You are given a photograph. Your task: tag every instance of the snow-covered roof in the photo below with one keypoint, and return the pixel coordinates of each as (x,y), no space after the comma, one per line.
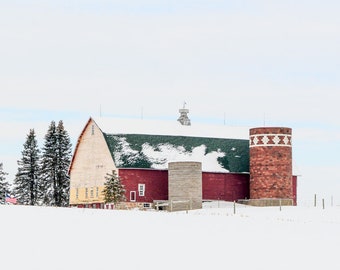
(138,143)
(152,151)
(155,151)
(172,128)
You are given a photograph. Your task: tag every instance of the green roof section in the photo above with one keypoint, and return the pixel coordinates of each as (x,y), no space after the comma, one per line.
(155,151)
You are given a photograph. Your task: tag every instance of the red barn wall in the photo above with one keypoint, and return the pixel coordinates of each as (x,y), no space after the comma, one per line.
(215,186)
(156,183)
(225,186)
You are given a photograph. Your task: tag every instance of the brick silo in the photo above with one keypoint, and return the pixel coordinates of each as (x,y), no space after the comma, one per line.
(271,164)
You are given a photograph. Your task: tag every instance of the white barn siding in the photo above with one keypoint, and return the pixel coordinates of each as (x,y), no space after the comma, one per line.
(91,162)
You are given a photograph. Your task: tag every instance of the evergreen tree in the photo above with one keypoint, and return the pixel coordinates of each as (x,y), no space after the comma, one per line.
(56,159)
(64,153)
(113,189)
(4,185)
(48,164)
(26,182)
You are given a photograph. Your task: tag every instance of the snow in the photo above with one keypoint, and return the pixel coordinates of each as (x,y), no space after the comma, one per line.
(302,237)
(161,127)
(166,153)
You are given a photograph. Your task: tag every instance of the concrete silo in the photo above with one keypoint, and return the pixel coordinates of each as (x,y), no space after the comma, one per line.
(185,185)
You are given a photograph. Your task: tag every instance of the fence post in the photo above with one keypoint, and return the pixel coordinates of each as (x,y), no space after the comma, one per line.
(323,203)
(314,200)
(280,204)
(234,208)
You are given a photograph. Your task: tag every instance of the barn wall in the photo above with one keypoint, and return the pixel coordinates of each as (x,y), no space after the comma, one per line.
(156,183)
(225,186)
(91,163)
(215,186)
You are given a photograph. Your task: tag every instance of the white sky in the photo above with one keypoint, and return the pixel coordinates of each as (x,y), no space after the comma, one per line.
(248,63)
(211,238)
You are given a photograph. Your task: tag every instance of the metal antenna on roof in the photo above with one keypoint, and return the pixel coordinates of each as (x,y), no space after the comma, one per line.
(183,118)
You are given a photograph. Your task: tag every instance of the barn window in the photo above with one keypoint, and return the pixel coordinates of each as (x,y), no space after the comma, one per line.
(91,192)
(77,193)
(92,131)
(132,196)
(97,192)
(147,205)
(86,193)
(141,189)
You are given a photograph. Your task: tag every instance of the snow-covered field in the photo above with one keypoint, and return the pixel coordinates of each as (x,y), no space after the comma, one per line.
(35,238)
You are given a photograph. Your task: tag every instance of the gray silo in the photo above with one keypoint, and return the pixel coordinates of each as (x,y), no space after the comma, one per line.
(185,185)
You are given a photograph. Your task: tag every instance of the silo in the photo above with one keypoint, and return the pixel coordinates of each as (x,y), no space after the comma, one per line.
(271,165)
(185,185)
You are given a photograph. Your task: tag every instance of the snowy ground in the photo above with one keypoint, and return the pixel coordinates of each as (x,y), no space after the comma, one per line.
(35,238)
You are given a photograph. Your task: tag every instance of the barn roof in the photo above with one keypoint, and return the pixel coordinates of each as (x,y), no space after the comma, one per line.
(152,144)
(173,127)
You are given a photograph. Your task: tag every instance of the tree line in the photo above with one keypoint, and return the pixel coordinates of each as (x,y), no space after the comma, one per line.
(42,175)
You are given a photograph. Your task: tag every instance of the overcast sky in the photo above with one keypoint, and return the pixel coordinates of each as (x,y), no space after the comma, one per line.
(250,63)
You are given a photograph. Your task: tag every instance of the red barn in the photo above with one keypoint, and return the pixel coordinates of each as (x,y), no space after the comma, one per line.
(140,151)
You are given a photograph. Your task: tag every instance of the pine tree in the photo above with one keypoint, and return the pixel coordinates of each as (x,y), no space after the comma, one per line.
(113,189)
(56,159)
(4,185)
(64,154)
(48,164)
(27,179)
